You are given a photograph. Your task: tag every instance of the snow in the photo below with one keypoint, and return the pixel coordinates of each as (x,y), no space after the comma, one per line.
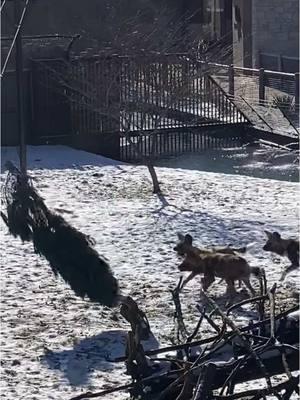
(55,345)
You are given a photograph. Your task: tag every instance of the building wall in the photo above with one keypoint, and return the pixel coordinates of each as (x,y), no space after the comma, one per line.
(275,29)
(242,32)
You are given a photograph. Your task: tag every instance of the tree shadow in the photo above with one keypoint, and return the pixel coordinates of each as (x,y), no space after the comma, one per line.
(89,354)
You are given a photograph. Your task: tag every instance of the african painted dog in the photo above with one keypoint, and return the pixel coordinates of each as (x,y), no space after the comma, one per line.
(185,245)
(283,247)
(186,242)
(229,267)
(218,262)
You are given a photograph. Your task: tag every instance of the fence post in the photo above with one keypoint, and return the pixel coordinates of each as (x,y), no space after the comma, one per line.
(231,79)
(258,62)
(20,85)
(261,89)
(297,81)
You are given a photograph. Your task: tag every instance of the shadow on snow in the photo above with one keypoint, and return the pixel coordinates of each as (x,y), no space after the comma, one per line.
(89,354)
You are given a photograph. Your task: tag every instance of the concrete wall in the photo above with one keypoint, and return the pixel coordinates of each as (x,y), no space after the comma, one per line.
(275,28)
(267,27)
(241,32)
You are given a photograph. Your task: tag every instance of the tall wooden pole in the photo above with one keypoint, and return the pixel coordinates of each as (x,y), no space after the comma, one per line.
(20,92)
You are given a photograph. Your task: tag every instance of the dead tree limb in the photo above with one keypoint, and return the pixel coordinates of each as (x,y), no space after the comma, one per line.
(211,339)
(289,385)
(136,317)
(178,317)
(271,295)
(244,340)
(204,385)
(187,388)
(196,330)
(209,319)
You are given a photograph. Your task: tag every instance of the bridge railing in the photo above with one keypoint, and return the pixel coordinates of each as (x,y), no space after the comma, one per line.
(129,94)
(257,85)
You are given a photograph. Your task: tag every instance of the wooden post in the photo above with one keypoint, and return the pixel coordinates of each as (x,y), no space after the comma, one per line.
(231,80)
(261,89)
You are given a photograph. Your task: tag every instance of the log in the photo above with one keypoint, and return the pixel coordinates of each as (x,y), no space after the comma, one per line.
(287,332)
(249,371)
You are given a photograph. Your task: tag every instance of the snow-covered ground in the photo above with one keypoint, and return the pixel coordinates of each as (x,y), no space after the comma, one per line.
(260,162)
(55,345)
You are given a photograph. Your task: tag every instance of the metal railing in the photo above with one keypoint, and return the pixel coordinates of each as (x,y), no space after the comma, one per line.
(133,94)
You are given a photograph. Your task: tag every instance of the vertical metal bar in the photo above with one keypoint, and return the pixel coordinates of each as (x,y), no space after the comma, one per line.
(208,97)
(200,93)
(20,83)
(261,86)
(231,79)
(297,81)
(219,110)
(215,103)
(193,94)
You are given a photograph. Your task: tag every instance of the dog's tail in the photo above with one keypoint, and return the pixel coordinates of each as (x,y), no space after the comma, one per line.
(257,271)
(243,249)
(240,249)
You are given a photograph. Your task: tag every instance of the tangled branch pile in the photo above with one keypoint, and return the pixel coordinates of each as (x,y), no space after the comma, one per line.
(210,368)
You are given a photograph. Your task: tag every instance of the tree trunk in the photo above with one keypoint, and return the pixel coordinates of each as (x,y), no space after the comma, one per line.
(151,169)
(148,162)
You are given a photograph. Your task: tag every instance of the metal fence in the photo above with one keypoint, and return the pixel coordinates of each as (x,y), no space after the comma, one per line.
(173,142)
(257,85)
(9,107)
(166,97)
(278,62)
(117,94)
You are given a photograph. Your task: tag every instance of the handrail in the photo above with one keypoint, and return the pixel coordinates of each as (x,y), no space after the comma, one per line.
(246,69)
(289,120)
(255,112)
(266,71)
(186,55)
(38,37)
(227,97)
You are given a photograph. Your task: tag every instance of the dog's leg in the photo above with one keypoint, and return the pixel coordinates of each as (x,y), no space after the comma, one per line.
(249,286)
(230,291)
(240,282)
(283,275)
(189,278)
(287,270)
(230,287)
(206,281)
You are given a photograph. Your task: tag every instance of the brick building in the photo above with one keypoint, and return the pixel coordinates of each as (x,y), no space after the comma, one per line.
(266,34)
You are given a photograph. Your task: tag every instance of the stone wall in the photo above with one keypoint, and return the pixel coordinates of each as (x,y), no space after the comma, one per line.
(275,29)
(241,33)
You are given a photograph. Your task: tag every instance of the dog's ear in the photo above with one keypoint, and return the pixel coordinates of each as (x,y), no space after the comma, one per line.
(276,235)
(269,234)
(188,239)
(180,236)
